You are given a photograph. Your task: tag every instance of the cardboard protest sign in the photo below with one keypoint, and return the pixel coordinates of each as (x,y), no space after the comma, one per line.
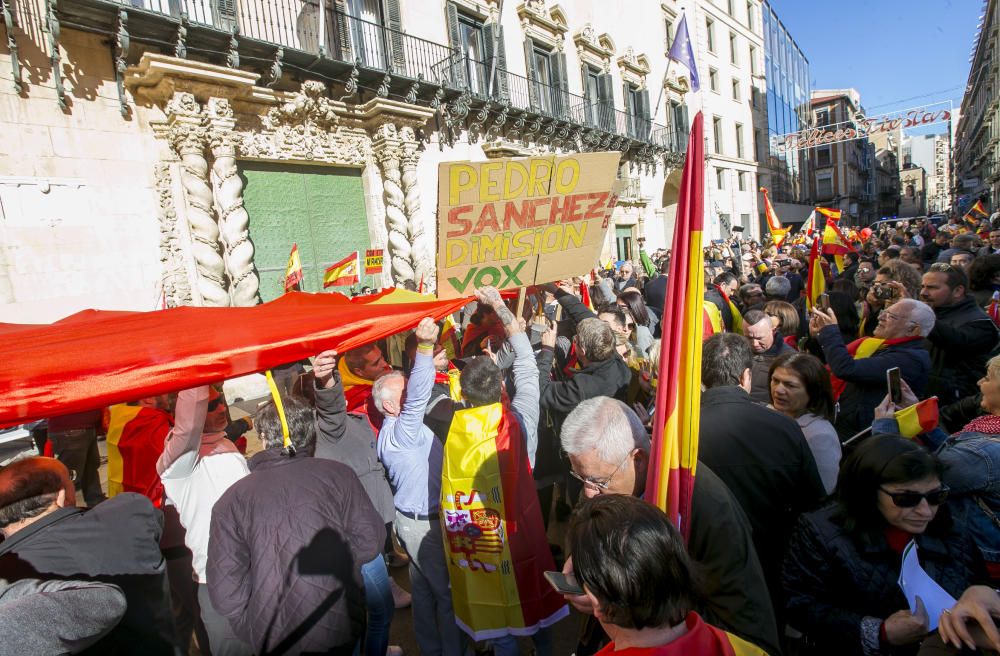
(520,221)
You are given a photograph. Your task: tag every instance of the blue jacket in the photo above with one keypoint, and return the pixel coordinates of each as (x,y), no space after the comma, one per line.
(865,378)
(972,471)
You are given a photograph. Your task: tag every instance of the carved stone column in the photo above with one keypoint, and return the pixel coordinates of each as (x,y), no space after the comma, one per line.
(234,222)
(188,137)
(176,288)
(420,257)
(389,154)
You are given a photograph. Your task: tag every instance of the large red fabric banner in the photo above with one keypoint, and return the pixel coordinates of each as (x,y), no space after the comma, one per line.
(96,358)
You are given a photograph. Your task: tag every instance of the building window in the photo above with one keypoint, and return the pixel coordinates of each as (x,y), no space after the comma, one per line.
(717,134)
(720,178)
(729,8)
(824,186)
(743,181)
(739,140)
(822,117)
(733,58)
(736,90)
(713,80)
(755,97)
(824,156)
(745,221)
(635,109)
(668,23)
(750,16)
(753,60)
(710,29)
(471,34)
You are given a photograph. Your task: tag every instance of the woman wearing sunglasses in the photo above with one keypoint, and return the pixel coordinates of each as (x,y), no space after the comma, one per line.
(843,562)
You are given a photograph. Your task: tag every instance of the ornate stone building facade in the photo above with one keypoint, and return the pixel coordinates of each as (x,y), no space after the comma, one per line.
(169,152)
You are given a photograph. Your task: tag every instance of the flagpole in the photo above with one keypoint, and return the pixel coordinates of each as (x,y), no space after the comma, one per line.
(659,97)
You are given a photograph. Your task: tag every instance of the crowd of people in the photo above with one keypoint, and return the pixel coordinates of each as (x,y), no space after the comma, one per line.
(807,495)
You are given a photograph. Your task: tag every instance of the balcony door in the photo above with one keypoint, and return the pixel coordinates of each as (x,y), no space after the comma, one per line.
(366,33)
(473,47)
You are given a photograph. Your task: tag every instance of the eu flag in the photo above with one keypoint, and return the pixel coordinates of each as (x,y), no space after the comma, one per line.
(682,52)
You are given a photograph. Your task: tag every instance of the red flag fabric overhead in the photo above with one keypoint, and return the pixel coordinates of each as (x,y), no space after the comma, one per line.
(674,457)
(94,358)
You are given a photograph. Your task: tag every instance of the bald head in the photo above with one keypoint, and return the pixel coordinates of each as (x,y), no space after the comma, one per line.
(30,488)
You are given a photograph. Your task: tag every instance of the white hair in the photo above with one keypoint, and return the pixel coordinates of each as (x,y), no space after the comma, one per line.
(380,393)
(919,313)
(606,425)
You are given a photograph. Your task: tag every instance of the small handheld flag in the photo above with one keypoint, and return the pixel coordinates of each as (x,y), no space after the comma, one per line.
(778,233)
(682,52)
(344,272)
(834,242)
(829,213)
(816,284)
(293,272)
(918,418)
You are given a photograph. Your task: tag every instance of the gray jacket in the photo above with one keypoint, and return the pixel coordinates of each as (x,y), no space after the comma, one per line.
(350,440)
(56,617)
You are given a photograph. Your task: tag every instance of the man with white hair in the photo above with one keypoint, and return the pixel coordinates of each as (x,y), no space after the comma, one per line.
(608,450)
(859,367)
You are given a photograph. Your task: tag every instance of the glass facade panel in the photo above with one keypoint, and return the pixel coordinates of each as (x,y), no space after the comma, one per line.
(786,72)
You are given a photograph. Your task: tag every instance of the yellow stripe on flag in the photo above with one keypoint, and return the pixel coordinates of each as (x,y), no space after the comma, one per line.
(918,418)
(120,415)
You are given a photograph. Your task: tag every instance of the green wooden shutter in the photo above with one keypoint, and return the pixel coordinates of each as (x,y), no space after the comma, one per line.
(456,71)
(225,14)
(341,47)
(394,25)
(529,57)
(606,102)
(560,83)
(588,102)
(643,111)
(493,34)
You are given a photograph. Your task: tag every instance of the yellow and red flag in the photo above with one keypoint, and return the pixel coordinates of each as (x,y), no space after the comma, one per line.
(778,233)
(816,283)
(918,418)
(674,456)
(835,244)
(495,544)
(135,441)
(979,209)
(344,272)
(829,213)
(293,272)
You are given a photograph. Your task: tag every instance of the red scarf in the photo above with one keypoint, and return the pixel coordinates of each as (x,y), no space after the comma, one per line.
(852,348)
(987,424)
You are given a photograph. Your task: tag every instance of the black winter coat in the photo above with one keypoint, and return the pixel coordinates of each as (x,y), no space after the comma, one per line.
(764,459)
(115,542)
(285,553)
(960,344)
(865,378)
(833,581)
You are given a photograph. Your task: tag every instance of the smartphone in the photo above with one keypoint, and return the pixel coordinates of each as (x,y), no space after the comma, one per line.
(895,382)
(563,583)
(824,302)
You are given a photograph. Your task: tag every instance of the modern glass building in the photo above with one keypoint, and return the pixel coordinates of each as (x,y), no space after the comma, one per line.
(786,75)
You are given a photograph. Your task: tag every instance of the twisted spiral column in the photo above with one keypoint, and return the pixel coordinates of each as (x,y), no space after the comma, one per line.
(399,238)
(189,140)
(419,256)
(234,222)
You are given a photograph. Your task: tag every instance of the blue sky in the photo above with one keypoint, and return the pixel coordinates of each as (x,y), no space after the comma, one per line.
(889,50)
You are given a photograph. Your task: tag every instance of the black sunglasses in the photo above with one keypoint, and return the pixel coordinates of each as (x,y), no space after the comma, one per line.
(913,499)
(216,402)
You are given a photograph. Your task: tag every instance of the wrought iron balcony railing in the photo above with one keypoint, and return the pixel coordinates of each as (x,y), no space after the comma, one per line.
(312,37)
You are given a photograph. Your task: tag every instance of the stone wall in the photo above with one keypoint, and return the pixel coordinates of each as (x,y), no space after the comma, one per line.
(78,206)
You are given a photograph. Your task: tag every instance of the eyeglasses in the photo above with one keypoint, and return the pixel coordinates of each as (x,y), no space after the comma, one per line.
(601,486)
(216,402)
(913,499)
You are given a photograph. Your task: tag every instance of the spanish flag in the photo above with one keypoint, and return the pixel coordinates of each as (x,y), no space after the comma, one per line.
(344,272)
(293,272)
(835,244)
(816,284)
(979,209)
(135,441)
(778,233)
(829,213)
(918,418)
(495,544)
(674,456)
